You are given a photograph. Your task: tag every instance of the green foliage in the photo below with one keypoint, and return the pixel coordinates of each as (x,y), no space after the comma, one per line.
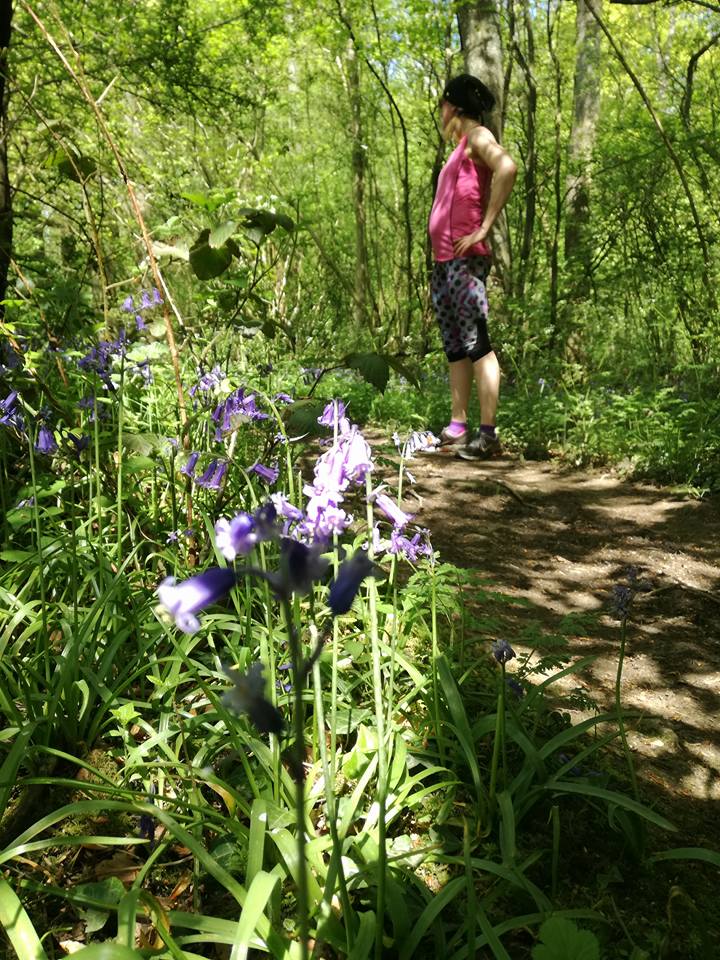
(560,939)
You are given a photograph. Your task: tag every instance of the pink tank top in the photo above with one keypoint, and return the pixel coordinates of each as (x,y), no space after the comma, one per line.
(459,205)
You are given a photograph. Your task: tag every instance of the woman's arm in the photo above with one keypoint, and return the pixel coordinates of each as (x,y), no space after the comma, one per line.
(485,149)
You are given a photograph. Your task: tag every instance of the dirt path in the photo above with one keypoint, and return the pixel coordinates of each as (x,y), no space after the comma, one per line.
(561,540)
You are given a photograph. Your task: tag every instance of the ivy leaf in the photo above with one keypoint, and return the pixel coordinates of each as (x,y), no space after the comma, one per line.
(561,940)
(208,262)
(371,366)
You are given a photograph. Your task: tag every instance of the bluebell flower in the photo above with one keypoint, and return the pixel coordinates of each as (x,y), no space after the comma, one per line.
(80,444)
(334,413)
(11,413)
(213,476)
(516,687)
(300,566)
(620,601)
(266,521)
(392,511)
(139,322)
(236,537)
(248,696)
(344,588)
(502,651)
(419,546)
(184,600)
(145,371)
(128,305)
(207,381)
(189,468)
(234,411)
(283,398)
(268,474)
(46,443)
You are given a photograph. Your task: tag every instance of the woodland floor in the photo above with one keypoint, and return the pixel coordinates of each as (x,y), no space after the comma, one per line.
(561,539)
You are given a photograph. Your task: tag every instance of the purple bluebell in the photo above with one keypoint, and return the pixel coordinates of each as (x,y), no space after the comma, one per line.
(358,456)
(248,696)
(268,474)
(23,504)
(156,298)
(213,476)
(283,398)
(235,410)
(145,372)
(344,588)
(334,413)
(207,381)
(620,601)
(189,468)
(128,305)
(80,444)
(515,687)
(139,322)
(502,651)
(183,601)
(146,302)
(392,511)
(301,565)
(11,413)
(324,516)
(46,443)
(284,508)
(401,545)
(266,521)
(236,537)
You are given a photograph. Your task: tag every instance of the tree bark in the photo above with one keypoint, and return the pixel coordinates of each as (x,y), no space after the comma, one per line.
(481,38)
(586,110)
(526,61)
(6,218)
(359,169)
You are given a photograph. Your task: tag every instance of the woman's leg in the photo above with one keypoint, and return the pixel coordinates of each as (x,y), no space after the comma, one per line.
(487,380)
(461,377)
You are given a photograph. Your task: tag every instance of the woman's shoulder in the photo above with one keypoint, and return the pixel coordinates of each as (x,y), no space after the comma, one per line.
(479,138)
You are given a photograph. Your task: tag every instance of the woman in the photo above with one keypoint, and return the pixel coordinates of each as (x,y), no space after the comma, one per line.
(472,189)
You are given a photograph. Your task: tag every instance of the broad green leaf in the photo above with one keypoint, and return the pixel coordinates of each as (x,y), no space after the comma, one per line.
(258,221)
(301,418)
(221,233)
(561,940)
(109,891)
(208,262)
(371,366)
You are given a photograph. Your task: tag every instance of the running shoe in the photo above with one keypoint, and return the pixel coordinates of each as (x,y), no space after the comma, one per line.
(483,447)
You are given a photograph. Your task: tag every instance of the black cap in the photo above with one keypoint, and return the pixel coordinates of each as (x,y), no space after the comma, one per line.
(469,95)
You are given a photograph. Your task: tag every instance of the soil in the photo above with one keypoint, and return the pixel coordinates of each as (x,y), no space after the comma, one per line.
(559,540)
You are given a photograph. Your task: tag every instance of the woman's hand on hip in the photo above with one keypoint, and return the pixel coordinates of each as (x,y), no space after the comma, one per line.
(463,244)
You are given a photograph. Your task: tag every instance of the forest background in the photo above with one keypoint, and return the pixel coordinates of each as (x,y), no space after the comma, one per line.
(604,297)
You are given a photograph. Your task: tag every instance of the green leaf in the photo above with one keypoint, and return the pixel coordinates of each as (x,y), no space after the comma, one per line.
(689,853)
(109,891)
(561,940)
(258,894)
(17,925)
(371,366)
(220,234)
(285,222)
(209,262)
(302,417)
(258,221)
(611,796)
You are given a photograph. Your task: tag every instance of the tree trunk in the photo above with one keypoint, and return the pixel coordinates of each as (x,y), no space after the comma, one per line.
(527,65)
(481,38)
(6,220)
(586,109)
(359,170)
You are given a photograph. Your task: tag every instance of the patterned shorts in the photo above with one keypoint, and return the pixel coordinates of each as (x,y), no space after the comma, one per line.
(460,301)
